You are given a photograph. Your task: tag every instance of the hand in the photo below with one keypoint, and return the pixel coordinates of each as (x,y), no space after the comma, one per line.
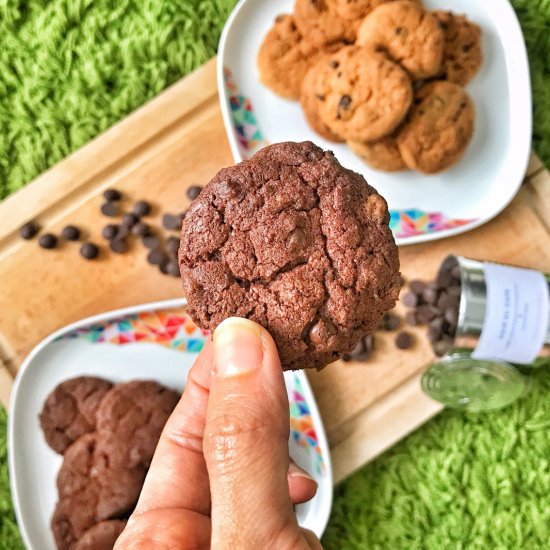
(220,477)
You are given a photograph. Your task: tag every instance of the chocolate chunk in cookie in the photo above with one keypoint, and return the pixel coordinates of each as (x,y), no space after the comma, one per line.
(285,57)
(101,536)
(294,241)
(134,414)
(310,102)
(362,95)
(438,129)
(70,410)
(319,23)
(462,55)
(407,34)
(380,155)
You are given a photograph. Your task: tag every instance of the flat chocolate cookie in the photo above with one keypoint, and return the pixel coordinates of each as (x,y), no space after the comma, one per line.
(294,241)
(69,411)
(101,536)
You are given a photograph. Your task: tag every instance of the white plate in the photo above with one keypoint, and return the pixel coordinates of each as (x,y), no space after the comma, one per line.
(423,208)
(153,341)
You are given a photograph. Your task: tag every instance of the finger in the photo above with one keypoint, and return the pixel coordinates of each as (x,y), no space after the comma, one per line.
(301,486)
(246,437)
(178,477)
(312,539)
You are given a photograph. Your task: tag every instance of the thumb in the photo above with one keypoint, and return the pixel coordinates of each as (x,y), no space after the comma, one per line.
(246,439)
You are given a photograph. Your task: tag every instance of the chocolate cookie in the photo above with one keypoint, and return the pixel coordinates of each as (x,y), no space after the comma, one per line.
(284,58)
(88,468)
(310,105)
(73,516)
(406,33)
(294,241)
(101,536)
(319,23)
(134,414)
(362,95)
(380,155)
(438,129)
(462,55)
(69,411)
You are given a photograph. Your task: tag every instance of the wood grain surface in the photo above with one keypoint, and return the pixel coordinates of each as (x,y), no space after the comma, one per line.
(175,141)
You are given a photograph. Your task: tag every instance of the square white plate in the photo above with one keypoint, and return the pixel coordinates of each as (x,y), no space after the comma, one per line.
(422,207)
(155,341)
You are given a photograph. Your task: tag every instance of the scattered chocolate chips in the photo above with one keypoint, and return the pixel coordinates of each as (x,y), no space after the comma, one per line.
(141,229)
(71,233)
(391,322)
(417,286)
(172,246)
(119,246)
(142,208)
(48,241)
(404,340)
(110,231)
(156,257)
(194,191)
(151,241)
(28,231)
(410,299)
(89,251)
(109,209)
(363,350)
(112,195)
(173,268)
(172,222)
(129,219)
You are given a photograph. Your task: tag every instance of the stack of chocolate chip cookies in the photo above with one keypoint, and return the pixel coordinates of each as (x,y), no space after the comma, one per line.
(387,77)
(107,435)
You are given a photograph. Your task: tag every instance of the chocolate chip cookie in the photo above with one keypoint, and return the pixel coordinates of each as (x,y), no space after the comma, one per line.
(134,414)
(438,129)
(70,410)
(101,536)
(284,58)
(356,10)
(294,241)
(406,33)
(310,102)
(362,95)
(380,155)
(462,55)
(320,25)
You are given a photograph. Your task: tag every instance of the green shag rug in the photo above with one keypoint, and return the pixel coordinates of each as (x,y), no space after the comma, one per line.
(71,68)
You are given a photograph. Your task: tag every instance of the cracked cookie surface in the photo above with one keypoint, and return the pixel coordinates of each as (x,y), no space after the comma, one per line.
(295,242)
(406,33)
(70,410)
(438,128)
(462,56)
(362,95)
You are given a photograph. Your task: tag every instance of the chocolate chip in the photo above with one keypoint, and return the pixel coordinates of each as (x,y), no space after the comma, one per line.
(451,316)
(466,48)
(417,286)
(402,280)
(129,219)
(401,31)
(71,233)
(363,350)
(456,272)
(435,330)
(163,265)
(430,294)
(119,246)
(172,245)
(454,291)
(169,221)
(425,314)
(89,251)
(142,208)
(410,318)
(28,231)
(151,241)
(441,347)
(194,191)
(320,97)
(404,340)
(173,268)
(334,64)
(156,257)
(109,209)
(141,229)
(410,299)
(391,322)
(345,102)
(112,195)
(445,300)
(48,241)
(110,231)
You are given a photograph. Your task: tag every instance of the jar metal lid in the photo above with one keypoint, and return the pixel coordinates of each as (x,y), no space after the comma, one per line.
(460,382)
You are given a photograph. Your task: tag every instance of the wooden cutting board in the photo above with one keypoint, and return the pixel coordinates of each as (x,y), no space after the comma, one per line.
(174,141)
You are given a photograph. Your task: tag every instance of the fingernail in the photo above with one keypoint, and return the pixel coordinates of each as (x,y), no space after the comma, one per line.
(295,471)
(237,347)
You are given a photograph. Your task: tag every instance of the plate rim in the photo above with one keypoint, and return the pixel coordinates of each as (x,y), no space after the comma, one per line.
(325,504)
(517,62)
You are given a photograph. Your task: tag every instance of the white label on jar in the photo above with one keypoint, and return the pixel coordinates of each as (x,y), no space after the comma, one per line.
(516,316)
